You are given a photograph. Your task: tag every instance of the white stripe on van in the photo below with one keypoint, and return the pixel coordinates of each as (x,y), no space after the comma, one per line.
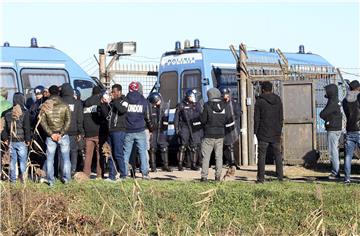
(8,64)
(42,65)
(224,65)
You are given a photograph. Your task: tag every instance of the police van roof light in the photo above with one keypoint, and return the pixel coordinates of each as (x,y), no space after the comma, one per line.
(186,44)
(33,43)
(301,49)
(196,43)
(177,45)
(6,44)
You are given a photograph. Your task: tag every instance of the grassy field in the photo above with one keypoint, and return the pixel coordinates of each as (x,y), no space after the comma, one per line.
(180,208)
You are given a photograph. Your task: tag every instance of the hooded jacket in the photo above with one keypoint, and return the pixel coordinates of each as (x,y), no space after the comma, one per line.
(21,130)
(214,118)
(268,118)
(115,113)
(331,114)
(58,119)
(138,115)
(92,118)
(351,108)
(76,109)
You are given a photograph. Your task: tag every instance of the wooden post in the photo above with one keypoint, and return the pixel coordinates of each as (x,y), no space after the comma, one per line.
(102,67)
(244,128)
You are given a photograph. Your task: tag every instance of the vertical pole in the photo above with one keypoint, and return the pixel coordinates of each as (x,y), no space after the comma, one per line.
(102,67)
(244,129)
(250,109)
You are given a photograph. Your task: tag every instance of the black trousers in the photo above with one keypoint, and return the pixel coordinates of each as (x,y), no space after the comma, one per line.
(262,149)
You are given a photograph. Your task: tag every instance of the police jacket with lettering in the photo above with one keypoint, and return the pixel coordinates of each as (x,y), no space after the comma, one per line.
(187,116)
(159,118)
(215,116)
(76,110)
(138,113)
(115,114)
(21,130)
(92,118)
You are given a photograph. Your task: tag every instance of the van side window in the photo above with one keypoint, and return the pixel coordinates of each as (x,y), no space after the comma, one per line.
(169,87)
(226,78)
(8,81)
(191,79)
(45,77)
(85,88)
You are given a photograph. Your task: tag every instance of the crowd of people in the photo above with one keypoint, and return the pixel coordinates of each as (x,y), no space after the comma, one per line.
(66,134)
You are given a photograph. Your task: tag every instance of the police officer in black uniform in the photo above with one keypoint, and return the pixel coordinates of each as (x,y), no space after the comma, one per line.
(189,129)
(232,129)
(160,119)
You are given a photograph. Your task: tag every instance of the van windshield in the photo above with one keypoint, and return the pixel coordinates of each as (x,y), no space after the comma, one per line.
(169,87)
(45,77)
(85,87)
(8,81)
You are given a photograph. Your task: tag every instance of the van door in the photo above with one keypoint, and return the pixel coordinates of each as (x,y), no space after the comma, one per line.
(8,80)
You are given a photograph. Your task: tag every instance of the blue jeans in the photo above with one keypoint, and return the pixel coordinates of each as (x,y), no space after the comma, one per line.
(140,140)
(64,143)
(18,151)
(352,140)
(117,163)
(333,150)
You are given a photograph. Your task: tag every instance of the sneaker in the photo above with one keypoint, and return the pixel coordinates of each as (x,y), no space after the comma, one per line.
(43,180)
(346,182)
(51,184)
(146,177)
(110,180)
(259,181)
(334,177)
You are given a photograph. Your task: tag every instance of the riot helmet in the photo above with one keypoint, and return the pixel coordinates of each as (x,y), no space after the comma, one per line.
(39,89)
(154,98)
(225,93)
(190,95)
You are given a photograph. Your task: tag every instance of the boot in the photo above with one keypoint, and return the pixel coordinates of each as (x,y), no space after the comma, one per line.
(153,160)
(194,160)
(180,160)
(165,159)
(232,161)
(188,160)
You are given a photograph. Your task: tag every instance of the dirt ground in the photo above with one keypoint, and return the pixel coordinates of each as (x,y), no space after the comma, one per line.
(248,174)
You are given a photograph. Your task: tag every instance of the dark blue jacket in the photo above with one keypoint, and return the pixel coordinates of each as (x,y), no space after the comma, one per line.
(138,113)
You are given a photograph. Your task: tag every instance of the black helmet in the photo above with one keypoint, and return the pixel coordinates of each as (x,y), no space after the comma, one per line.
(225,91)
(189,93)
(154,97)
(39,89)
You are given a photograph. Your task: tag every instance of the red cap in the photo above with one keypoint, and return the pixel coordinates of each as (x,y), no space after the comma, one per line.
(133,86)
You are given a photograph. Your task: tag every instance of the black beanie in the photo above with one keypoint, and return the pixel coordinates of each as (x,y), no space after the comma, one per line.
(54,90)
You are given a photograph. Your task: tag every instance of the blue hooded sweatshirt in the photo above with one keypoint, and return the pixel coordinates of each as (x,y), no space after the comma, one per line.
(138,113)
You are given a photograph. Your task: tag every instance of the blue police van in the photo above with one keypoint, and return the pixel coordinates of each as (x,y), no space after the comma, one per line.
(24,68)
(200,68)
